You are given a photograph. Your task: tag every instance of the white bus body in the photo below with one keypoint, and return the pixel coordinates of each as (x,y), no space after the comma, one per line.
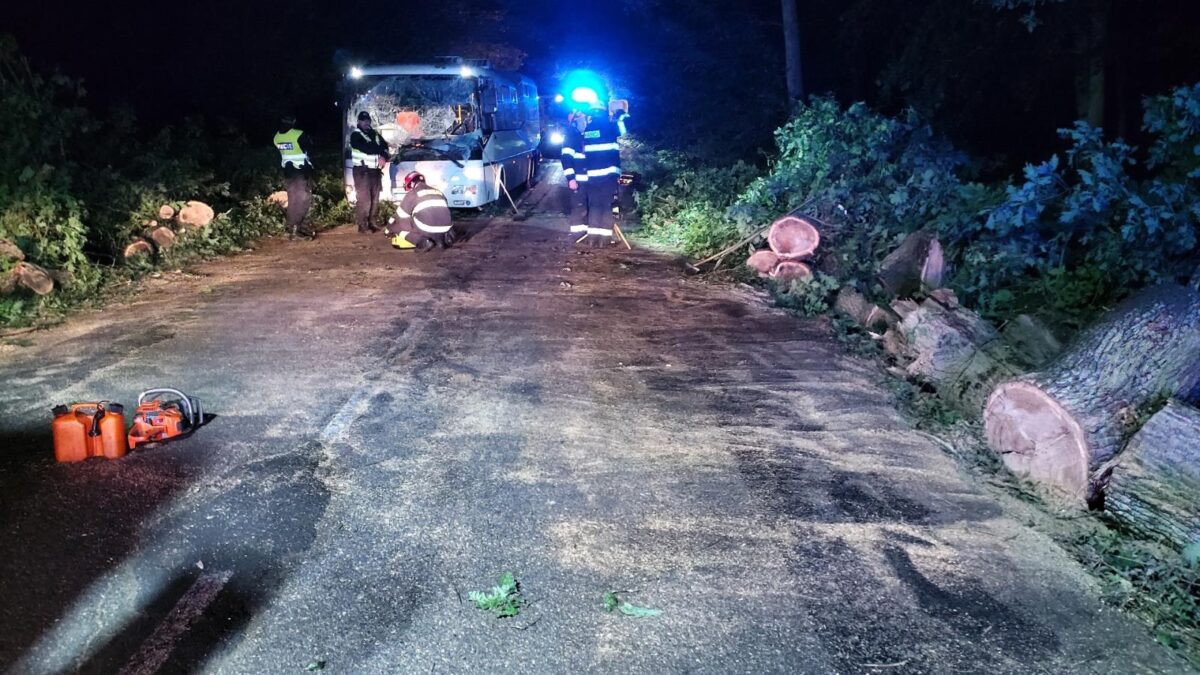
(461,124)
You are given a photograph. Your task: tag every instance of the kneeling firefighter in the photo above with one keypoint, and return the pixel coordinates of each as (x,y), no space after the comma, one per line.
(422,218)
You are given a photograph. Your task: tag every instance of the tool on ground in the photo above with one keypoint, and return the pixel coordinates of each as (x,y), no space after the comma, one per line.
(163,414)
(83,430)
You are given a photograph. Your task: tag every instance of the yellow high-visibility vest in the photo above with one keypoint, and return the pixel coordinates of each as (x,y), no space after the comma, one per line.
(288,143)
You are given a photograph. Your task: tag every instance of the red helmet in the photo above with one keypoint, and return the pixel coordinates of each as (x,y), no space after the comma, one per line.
(411,178)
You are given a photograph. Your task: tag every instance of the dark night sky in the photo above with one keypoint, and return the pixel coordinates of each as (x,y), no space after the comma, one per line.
(986,82)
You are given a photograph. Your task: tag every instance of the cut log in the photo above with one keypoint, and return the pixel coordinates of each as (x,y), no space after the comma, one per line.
(763,262)
(166,212)
(788,271)
(10,251)
(1032,341)
(1153,486)
(196,215)
(136,248)
(862,311)
(163,238)
(33,277)
(903,308)
(918,263)
(958,352)
(1058,426)
(793,238)
(279,198)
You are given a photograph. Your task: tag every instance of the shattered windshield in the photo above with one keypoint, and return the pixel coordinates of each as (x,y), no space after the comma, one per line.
(423,117)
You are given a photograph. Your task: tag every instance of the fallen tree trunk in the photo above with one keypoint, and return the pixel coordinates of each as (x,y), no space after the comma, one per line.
(862,311)
(10,251)
(163,237)
(793,238)
(788,271)
(763,262)
(195,215)
(956,351)
(1153,487)
(918,262)
(1060,425)
(138,247)
(33,277)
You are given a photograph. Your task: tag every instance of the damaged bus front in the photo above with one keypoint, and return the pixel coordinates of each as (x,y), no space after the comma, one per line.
(467,128)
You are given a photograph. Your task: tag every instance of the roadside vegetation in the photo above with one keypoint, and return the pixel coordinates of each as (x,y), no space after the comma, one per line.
(1063,241)
(1066,239)
(77,187)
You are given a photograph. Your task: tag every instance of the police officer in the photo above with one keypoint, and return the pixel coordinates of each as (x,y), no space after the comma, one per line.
(295,157)
(423,217)
(368,155)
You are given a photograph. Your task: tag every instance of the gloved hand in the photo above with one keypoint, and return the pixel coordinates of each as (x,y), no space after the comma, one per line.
(573,184)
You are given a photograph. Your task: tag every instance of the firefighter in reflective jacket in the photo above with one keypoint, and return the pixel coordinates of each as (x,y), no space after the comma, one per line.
(592,166)
(294,156)
(422,218)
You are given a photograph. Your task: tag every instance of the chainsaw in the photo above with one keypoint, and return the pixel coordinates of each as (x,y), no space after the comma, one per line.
(163,414)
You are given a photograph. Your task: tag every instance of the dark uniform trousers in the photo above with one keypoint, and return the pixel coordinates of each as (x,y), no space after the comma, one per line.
(598,194)
(298,183)
(368,185)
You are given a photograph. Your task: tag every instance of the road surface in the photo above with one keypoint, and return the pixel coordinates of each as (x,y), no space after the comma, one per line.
(395,430)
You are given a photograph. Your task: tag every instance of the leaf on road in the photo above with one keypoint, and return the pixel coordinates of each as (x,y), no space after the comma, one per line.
(504,600)
(638,612)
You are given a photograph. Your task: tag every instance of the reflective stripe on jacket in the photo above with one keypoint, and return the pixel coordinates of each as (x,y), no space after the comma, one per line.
(367,149)
(290,151)
(593,154)
(427,208)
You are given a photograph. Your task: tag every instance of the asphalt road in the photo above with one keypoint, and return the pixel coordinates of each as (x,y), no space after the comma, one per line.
(395,430)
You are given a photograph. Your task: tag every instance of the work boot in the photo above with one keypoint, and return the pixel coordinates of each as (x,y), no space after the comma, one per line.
(426,245)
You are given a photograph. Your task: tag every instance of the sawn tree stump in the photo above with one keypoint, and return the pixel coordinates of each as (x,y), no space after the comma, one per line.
(1060,425)
(918,262)
(1153,487)
(793,238)
(33,277)
(763,262)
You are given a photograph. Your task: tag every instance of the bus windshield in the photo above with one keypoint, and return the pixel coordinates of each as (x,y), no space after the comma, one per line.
(422,114)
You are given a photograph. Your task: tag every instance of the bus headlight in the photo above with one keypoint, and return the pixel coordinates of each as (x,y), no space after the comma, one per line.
(557,138)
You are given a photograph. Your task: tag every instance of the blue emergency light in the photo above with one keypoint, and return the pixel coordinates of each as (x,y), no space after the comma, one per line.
(585,95)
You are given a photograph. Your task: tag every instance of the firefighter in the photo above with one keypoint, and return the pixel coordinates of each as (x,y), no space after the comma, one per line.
(572,156)
(368,154)
(294,154)
(595,171)
(422,218)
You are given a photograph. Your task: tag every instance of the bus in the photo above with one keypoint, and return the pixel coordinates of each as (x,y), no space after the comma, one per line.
(472,131)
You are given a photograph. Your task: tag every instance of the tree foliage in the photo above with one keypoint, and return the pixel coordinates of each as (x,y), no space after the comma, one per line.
(1071,236)
(75,188)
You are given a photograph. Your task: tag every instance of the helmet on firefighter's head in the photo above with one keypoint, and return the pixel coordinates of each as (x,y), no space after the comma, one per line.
(412,179)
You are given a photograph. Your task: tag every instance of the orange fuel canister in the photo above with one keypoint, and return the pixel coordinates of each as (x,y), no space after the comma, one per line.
(83,430)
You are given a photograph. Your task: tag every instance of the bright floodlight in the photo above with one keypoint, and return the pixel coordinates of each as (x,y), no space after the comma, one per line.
(558,98)
(356,73)
(585,95)
(557,138)
(468,71)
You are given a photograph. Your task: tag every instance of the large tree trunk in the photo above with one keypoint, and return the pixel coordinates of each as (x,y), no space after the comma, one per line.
(791,44)
(957,351)
(918,262)
(1060,425)
(1092,47)
(1153,487)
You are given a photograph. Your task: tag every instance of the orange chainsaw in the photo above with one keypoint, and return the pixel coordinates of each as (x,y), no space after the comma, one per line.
(163,414)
